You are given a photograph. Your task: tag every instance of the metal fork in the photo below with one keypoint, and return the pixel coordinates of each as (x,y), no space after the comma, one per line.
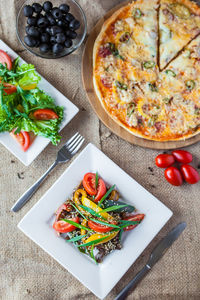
(64,154)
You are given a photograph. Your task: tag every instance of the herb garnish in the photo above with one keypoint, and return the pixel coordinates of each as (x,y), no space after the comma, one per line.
(106,195)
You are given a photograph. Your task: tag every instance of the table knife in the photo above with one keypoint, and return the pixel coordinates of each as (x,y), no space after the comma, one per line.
(156,254)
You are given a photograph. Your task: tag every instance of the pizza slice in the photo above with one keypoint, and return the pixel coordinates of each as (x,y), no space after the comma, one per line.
(179,23)
(179,88)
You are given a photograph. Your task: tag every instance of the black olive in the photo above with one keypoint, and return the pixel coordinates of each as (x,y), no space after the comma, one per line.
(28,11)
(64,8)
(32,21)
(71,34)
(39,16)
(56,12)
(41,29)
(30,41)
(52,40)
(57,48)
(47,29)
(47,6)
(45,37)
(68,43)
(37,7)
(44,48)
(37,43)
(33,31)
(42,22)
(54,30)
(27,29)
(74,24)
(50,18)
(69,17)
(60,38)
(61,23)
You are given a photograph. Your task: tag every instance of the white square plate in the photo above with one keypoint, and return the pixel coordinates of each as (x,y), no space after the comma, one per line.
(70,110)
(37,224)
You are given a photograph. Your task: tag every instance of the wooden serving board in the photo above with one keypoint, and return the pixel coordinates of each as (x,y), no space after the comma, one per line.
(87,78)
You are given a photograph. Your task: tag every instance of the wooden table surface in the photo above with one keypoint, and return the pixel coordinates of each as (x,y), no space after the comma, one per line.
(27,272)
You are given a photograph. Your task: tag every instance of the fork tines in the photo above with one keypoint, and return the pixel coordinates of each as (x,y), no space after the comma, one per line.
(74,143)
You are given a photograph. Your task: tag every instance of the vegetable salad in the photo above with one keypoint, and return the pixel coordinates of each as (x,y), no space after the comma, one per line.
(24,107)
(94,219)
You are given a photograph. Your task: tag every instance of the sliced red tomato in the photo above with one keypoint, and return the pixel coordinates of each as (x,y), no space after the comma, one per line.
(5,59)
(190,174)
(101,190)
(138,217)
(62,226)
(182,156)
(99,227)
(173,176)
(164,160)
(63,206)
(23,138)
(45,114)
(9,88)
(90,186)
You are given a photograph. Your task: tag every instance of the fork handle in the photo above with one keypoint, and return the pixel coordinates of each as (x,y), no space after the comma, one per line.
(28,194)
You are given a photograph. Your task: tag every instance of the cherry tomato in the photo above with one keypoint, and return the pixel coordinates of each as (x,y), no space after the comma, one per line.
(23,138)
(164,160)
(182,156)
(5,59)
(45,114)
(99,227)
(90,187)
(173,176)
(9,88)
(190,174)
(138,217)
(62,226)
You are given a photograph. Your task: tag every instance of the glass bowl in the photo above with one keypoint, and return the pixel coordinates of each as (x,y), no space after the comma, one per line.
(75,10)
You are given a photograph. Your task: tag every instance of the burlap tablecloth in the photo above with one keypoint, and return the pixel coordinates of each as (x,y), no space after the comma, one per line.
(26,271)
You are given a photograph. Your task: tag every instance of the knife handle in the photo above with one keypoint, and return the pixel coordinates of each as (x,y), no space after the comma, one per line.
(132,284)
(29,193)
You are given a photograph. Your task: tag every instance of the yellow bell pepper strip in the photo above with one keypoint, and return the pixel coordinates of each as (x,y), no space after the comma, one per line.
(87,202)
(83,231)
(84,223)
(97,236)
(77,201)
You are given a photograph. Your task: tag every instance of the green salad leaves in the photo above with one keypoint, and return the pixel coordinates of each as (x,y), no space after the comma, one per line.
(16,109)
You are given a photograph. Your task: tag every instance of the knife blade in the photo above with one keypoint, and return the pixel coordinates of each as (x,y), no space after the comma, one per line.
(156,254)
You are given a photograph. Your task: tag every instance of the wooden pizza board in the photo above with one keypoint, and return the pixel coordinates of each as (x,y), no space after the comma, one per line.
(87,78)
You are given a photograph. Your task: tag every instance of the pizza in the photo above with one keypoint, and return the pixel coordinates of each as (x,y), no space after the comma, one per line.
(146,68)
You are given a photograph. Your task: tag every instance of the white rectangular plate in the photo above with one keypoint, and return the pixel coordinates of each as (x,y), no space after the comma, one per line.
(100,279)
(70,110)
